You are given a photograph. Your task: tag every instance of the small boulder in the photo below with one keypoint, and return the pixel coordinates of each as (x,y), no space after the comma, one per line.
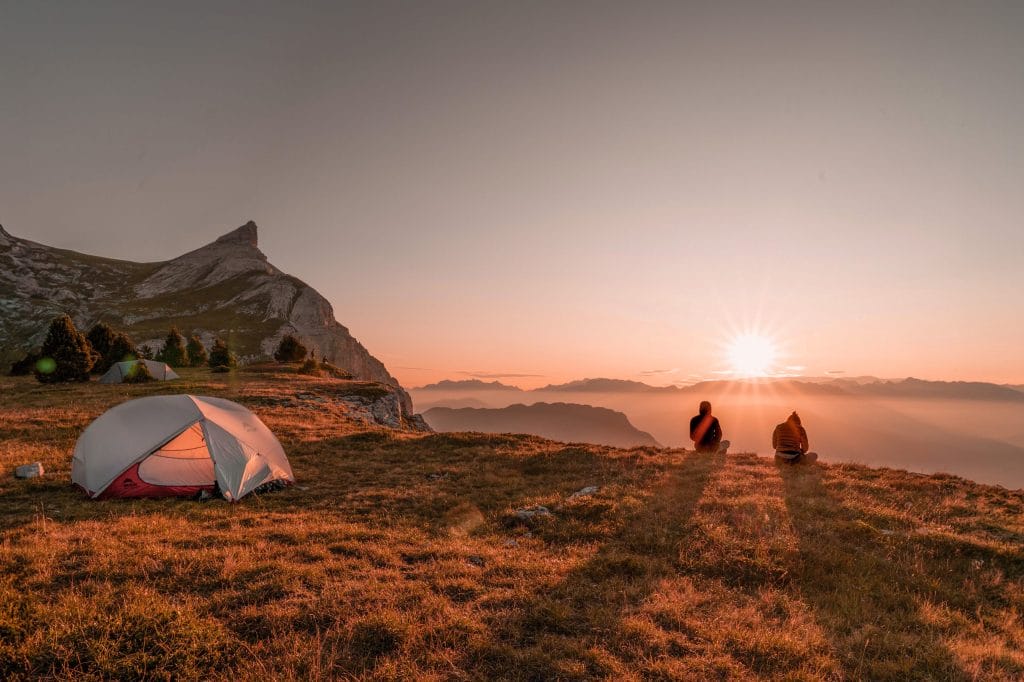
(528,513)
(387,411)
(416,422)
(584,492)
(29,470)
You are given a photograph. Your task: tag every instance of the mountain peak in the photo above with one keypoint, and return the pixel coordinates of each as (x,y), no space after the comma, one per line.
(226,288)
(5,236)
(246,234)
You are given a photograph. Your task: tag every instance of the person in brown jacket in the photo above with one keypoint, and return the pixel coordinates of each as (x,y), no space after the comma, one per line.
(790,442)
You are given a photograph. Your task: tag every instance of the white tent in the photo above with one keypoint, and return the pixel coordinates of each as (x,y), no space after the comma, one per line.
(119,371)
(177,445)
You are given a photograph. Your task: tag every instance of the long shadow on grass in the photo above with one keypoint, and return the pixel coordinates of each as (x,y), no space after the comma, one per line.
(553,635)
(865,589)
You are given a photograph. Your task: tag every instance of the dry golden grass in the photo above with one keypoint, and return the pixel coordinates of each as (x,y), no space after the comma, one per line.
(398,556)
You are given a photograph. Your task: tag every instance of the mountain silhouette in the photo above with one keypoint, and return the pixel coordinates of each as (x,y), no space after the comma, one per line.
(558,421)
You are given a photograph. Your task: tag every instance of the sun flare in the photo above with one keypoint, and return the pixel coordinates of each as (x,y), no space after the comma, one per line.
(751,355)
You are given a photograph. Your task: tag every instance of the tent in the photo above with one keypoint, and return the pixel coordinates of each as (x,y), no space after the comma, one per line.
(177,445)
(119,371)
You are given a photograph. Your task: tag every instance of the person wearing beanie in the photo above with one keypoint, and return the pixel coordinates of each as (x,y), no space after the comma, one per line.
(790,442)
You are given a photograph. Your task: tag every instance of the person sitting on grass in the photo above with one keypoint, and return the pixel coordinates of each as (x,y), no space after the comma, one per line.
(706,432)
(790,442)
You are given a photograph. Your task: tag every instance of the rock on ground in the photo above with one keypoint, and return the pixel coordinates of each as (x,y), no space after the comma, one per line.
(584,492)
(29,470)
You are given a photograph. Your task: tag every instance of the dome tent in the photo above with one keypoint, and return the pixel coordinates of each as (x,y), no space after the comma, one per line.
(120,371)
(177,445)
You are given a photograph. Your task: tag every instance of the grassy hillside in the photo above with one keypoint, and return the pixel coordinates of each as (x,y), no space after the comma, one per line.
(400,556)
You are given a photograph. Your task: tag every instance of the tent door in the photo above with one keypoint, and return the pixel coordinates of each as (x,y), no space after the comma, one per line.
(182,461)
(239,468)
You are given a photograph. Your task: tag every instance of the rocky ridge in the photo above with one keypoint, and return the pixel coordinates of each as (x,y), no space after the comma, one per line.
(227,288)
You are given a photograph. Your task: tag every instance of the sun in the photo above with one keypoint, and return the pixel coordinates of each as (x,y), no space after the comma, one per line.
(751,355)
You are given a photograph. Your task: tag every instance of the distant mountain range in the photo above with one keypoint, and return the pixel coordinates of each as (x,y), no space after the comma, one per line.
(557,421)
(467,385)
(918,388)
(226,288)
(852,386)
(606,386)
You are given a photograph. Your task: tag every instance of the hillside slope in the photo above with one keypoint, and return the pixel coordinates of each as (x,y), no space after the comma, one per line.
(227,288)
(559,421)
(400,555)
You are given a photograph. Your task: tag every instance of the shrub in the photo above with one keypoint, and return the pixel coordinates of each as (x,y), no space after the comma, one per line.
(310,366)
(335,371)
(221,356)
(196,351)
(146,352)
(66,354)
(25,366)
(290,350)
(174,353)
(139,374)
(121,349)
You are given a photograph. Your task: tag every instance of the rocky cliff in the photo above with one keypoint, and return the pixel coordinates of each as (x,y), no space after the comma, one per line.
(227,288)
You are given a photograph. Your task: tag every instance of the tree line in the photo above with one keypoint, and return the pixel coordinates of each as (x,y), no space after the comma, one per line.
(67,354)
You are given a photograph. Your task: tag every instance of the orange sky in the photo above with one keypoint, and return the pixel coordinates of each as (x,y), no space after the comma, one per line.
(553,191)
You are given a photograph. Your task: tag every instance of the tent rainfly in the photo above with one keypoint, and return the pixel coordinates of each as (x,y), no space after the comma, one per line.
(120,371)
(177,445)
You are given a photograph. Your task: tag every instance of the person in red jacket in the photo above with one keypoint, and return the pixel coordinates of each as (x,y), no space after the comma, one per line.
(706,432)
(790,442)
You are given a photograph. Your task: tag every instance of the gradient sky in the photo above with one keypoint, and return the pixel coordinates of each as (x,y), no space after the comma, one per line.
(546,191)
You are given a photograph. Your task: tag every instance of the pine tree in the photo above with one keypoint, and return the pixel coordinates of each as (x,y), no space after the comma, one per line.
(100,337)
(174,353)
(290,349)
(25,366)
(66,354)
(122,349)
(221,355)
(196,352)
